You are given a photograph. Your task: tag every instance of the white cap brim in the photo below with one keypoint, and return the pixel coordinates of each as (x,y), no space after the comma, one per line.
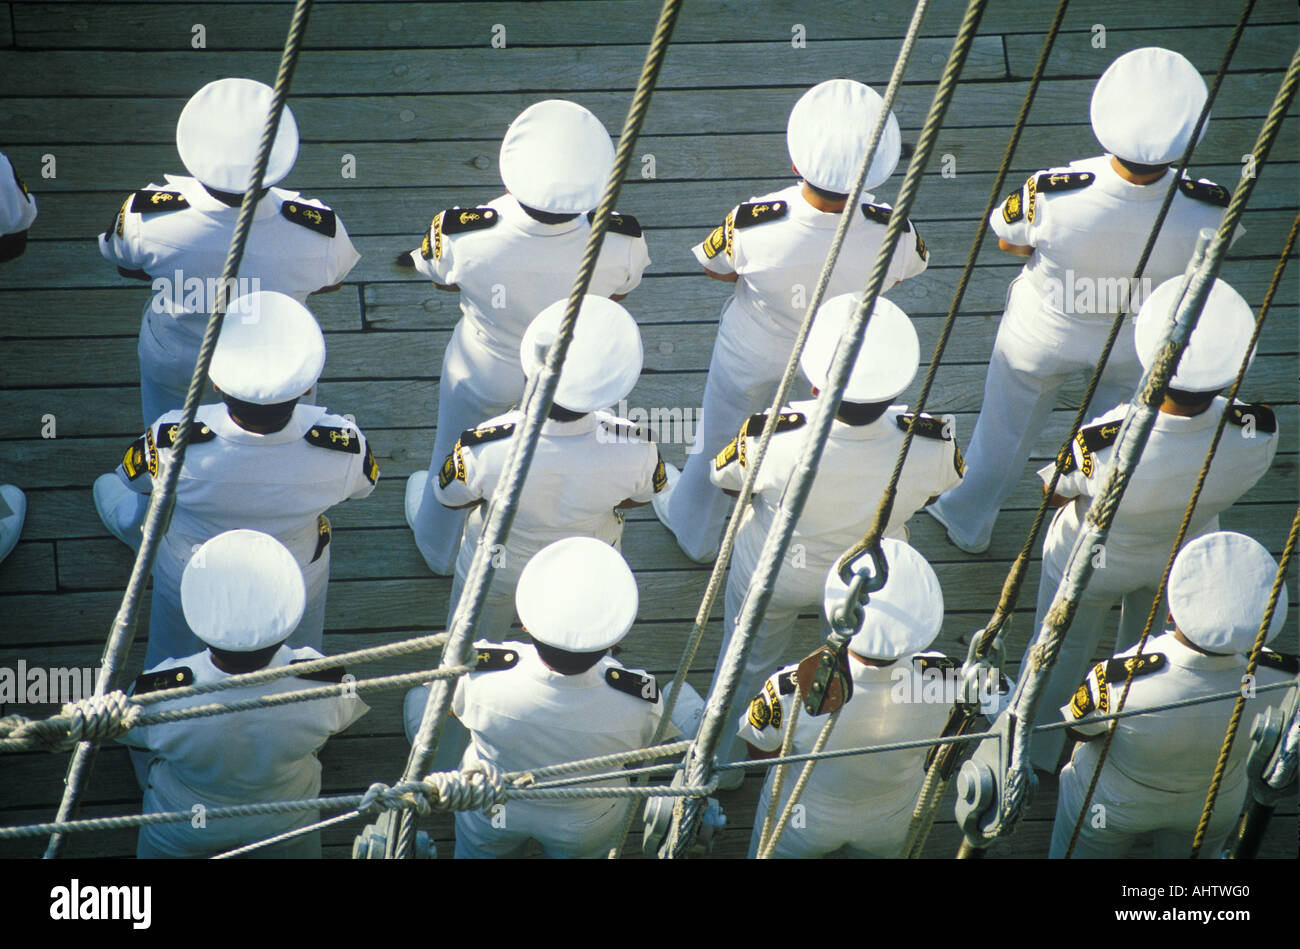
(603,361)
(829,131)
(887,361)
(1145,106)
(220,130)
(556,157)
(270,350)
(577,594)
(243,591)
(905,615)
(1217,345)
(1218,591)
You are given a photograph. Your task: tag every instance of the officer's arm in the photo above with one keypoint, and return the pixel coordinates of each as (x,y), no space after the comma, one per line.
(1072,735)
(724,277)
(1058,500)
(1018,250)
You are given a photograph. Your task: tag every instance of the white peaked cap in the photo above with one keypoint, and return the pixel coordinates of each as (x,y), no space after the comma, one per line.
(887,361)
(603,361)
(829,131)
(1145,106)
(220,129)
(1218,591)
(270,349)
(556,157)
(577,594)
(902,617)
(243,591)
(1217,345)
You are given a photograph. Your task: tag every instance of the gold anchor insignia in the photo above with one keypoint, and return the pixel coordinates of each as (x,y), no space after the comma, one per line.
(1057,179)
(1108,430)
(160,197)
(467,216)
(343,436)
(761,209)
(312,215)
(172,431)
(484,656)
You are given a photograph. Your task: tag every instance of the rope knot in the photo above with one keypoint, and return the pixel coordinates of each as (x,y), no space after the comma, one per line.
(475,788)
(98,718)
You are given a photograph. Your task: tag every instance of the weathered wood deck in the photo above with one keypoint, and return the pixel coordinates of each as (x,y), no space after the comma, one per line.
(418,96)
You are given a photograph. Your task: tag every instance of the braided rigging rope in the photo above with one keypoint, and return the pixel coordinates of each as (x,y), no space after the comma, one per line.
(989,639)
(933,786)
(538,397)
(686,819)
(788,377)
(162,501)
(1238,707)
(1187,521)
(1132,439)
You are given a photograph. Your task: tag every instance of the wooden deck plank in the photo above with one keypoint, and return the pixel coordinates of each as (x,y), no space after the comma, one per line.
(485,115)
(380,25)
(122,167)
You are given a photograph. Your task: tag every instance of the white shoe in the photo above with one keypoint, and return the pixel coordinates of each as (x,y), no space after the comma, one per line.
(121,509)
(415,487)
(13,511)
(933,511)
(660,502)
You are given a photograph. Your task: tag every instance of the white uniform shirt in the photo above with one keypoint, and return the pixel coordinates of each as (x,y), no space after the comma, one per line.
(511,271)
(855,467)
(244,757)
(530,716)
(1097,232)
(182,250)
(1175,750)
(1148,517)
(775,256)
(580,471)
(280,484)
(890,703)
(17,205)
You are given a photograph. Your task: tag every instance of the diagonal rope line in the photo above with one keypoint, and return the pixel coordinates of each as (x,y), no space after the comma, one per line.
(782,391)
(933,787)
(991,637)
(162,501)
(537,402)
(1239,706)
(1187,521)
(797,488)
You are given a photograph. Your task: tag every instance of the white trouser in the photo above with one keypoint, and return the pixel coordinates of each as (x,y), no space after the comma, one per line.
(1122,809)
(1035,353)
(477,383)
(307,847)
(770,644)
(580,830)
(170,636)
(873,829)
(744,372)
(1130,581)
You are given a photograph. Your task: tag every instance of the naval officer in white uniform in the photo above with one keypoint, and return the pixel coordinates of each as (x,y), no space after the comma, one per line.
(17,212)
(178,234)
(856,464)
(561,697)
(261,459)
(1158,770)
(510,260)
(1147,521)
(243,595)
(862,802)
(590,465)
(772,248)
(1083,227)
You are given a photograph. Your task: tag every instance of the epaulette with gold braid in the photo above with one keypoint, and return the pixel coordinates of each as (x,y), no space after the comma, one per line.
(927,426)
(488,433)
(494,660)
(336,439)
(461,220)
(877,213)
(332,674)
(1050,181)
(1205,191)
(785,422)
(760,212)
(198,433)
(151,202)
(624,224)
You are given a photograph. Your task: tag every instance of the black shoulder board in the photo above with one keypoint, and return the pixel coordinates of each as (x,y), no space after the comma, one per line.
(638,686)
(927,426)
(1281,661)
(877,213)
(747,215)
(332,674)
(785,683)
(1261,416)
(1064,180)
(477,436)
(942,663)
(1206,191)
(1095,437)
(494,660)
(174,678)
(198,433)
(151,202)
(786,421)
(460,220)
(624,224)
(320,220)
(627,431)
(337,439)
(1117,670)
